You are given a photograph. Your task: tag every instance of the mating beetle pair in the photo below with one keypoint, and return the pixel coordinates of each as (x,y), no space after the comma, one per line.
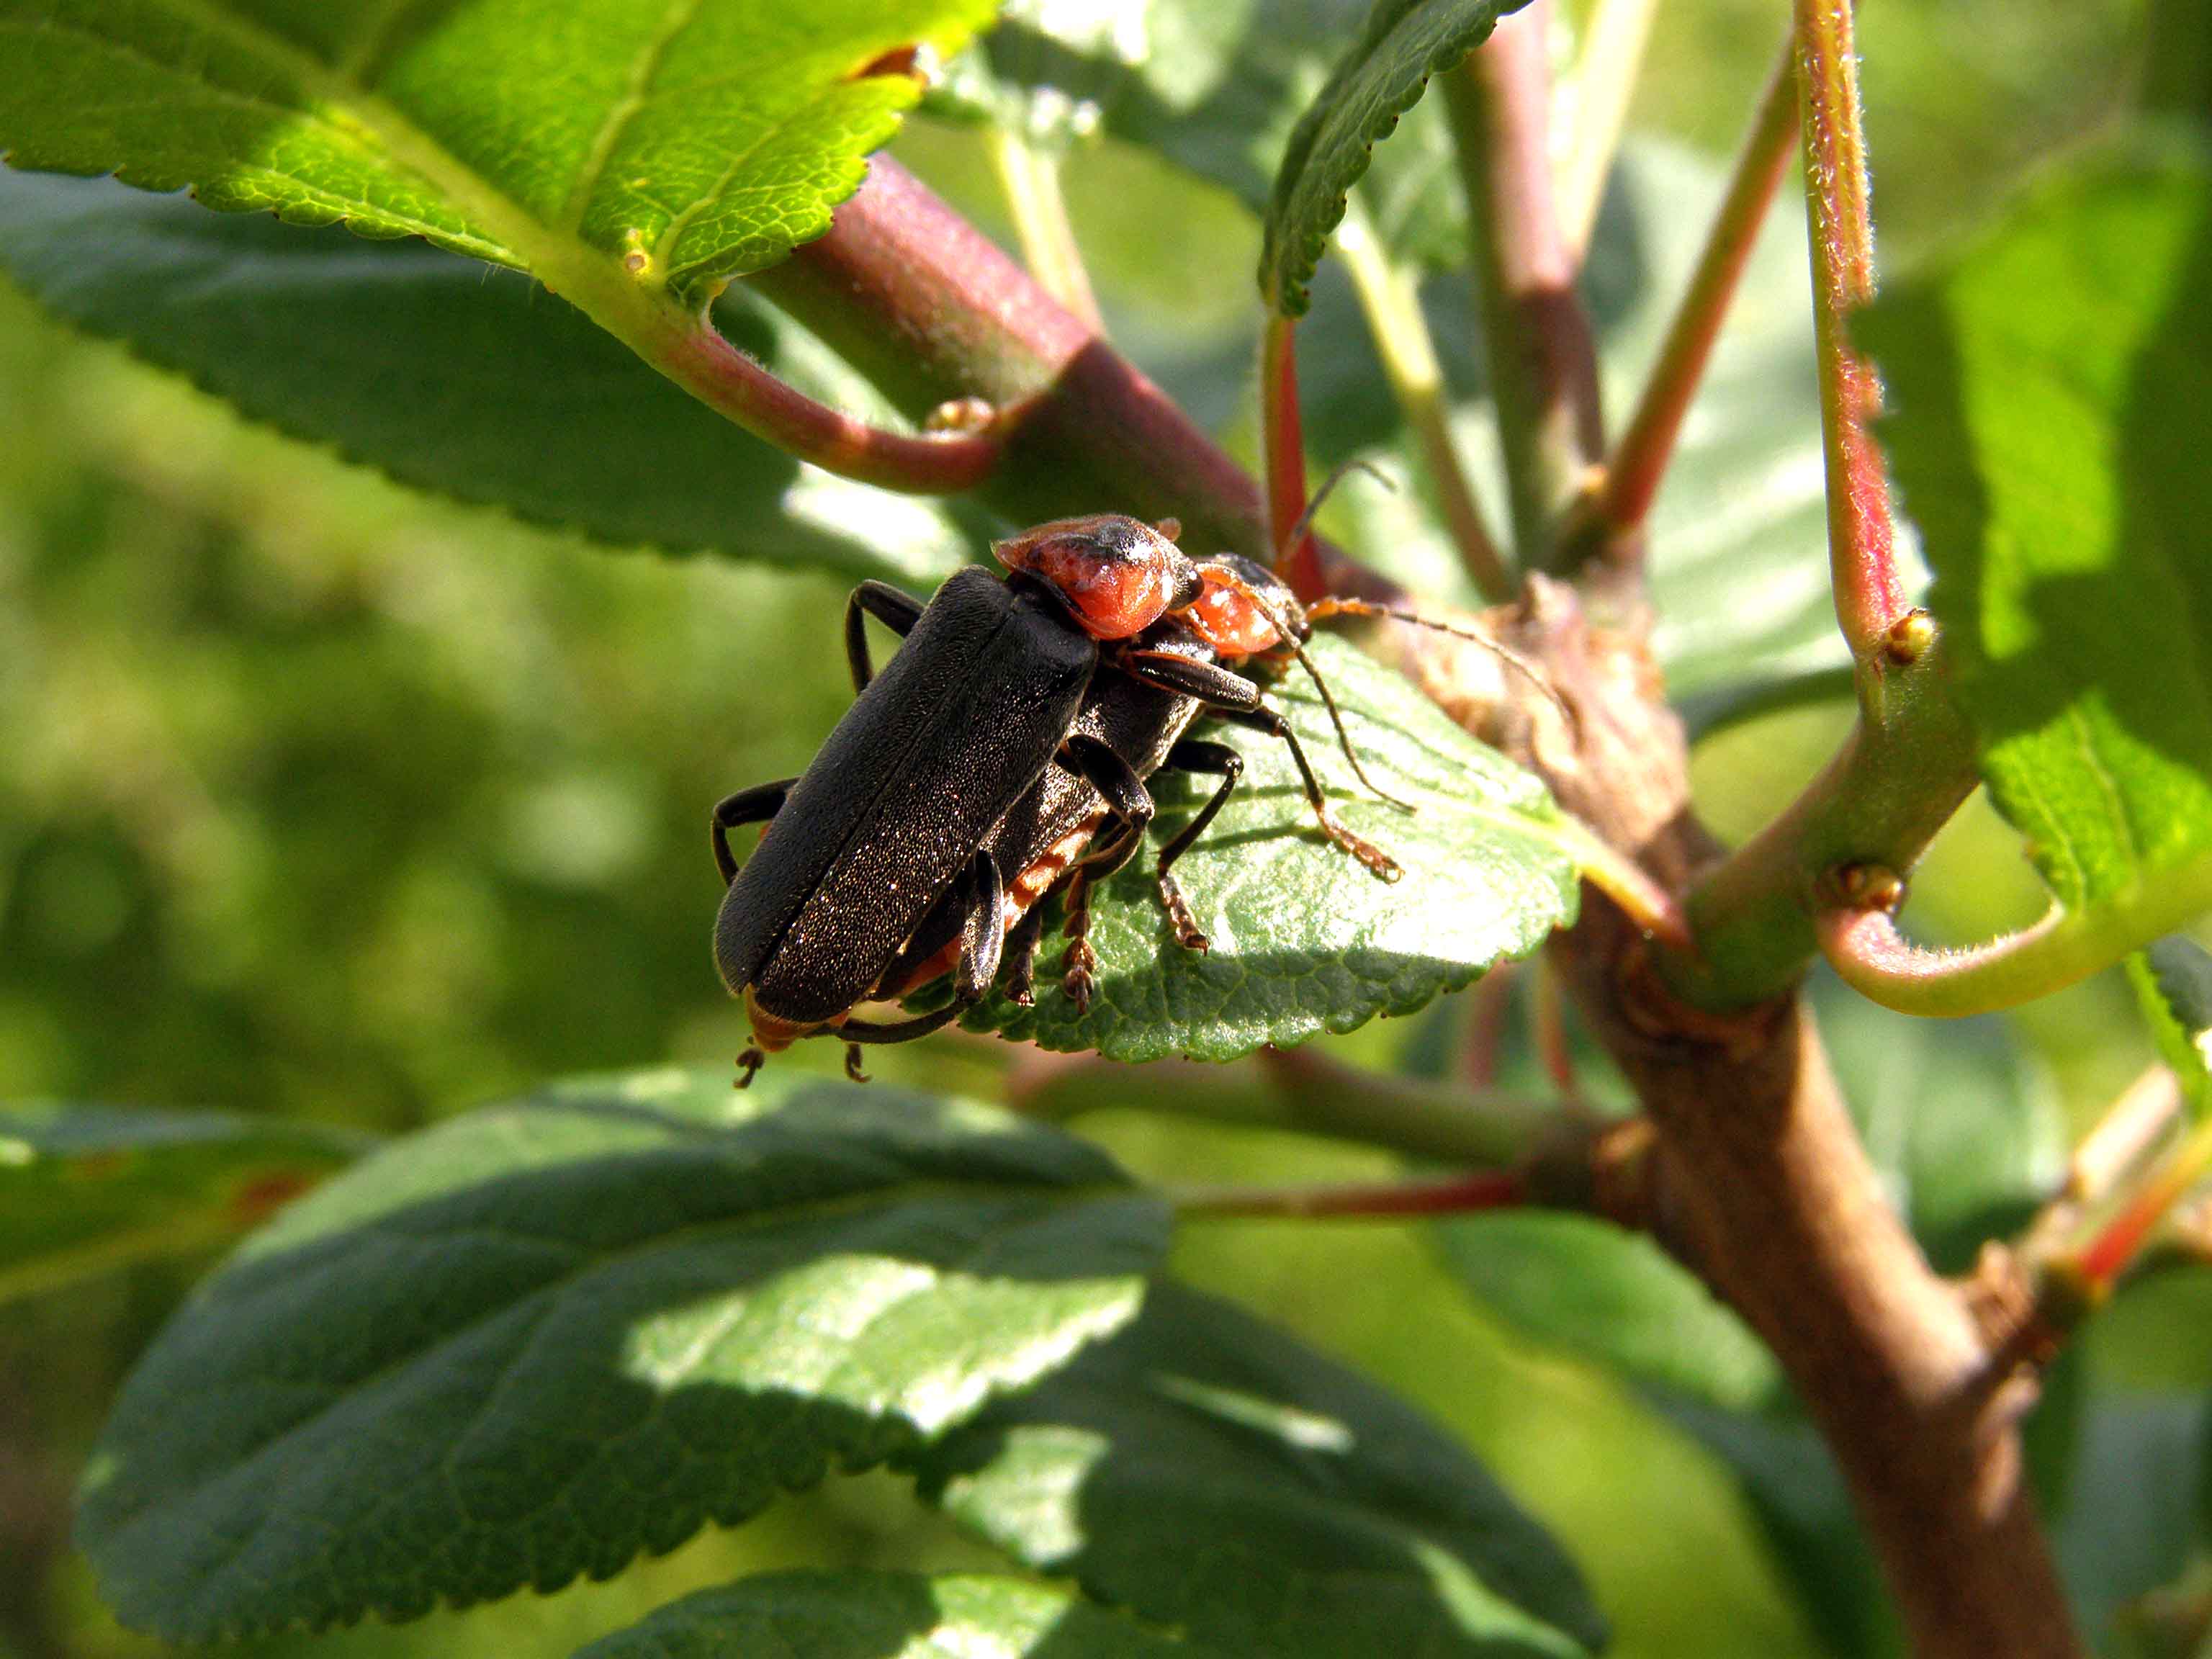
(999,757)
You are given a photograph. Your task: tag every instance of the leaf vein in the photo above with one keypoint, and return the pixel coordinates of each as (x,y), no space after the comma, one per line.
(674,20)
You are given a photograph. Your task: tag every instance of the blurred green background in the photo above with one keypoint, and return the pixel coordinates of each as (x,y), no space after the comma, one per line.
(321,799)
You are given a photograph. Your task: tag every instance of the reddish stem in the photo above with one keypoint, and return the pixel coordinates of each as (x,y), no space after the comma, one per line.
(1389,1201)
(1285,439)
(1869,589)
(1639,460)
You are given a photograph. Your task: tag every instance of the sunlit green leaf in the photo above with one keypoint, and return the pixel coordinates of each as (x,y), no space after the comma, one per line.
(1303,939)
(883,1615)
(686,143)
(85,1187)
(2050,433)
(1378,77)
(1207,1471)
(452,379)
(542,1339)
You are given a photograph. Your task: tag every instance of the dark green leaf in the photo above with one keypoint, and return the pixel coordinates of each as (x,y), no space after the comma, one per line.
(1303,939)
(2050,436)
(86,1188)
(1376,80)
(1207,1471)
(1804,1513)
(681,144)
(1615,1297)
(471,383)
(887,1615)
(2173,983)
(539,1339)
(2131,1517)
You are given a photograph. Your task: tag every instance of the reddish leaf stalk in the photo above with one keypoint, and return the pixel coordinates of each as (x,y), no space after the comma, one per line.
(1543,361)
(1869,589)
(1283,438)
(692,354)
(1640,458)
(1389,1201)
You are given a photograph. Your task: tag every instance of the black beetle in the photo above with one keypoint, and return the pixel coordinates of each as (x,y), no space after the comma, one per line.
(1001,756)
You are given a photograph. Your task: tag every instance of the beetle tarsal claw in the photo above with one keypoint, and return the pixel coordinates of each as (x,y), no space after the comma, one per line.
(852,1063)
(1075,973)
(749,1063)
(1188,932)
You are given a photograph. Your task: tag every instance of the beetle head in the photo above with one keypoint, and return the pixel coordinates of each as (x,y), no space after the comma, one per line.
(1116,575)
(1244,608)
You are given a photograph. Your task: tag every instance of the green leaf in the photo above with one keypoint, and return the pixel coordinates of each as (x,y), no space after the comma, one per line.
(2050,437)
(542,1339)
(1208,1472)
(1303,939)
(685,142)
(1805,1517)
(2173,984)
(1379,77)
(455,380)
(888,1615)
(1615,1297)
(84,1189)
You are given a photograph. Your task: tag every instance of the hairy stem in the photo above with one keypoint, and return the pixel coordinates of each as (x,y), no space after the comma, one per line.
(1866,949)
(1869,589)
(1390,297)
(1639,460)
(1543,361)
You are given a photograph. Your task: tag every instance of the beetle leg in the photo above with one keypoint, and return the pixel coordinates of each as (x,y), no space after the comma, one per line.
(894,607)
(1214,760)
(1233,695)
(852,1063)
(1079,961)
(754,806)
(748,1063)
(1021,956)
(1126,798)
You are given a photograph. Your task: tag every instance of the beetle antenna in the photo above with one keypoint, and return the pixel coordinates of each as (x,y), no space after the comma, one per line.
(1322,609)
(1288,638)
(1336,476)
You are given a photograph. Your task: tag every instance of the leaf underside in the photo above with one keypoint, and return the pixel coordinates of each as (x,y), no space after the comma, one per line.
(452,378)
(1302,939)
(1208,1472)
(542,1339)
